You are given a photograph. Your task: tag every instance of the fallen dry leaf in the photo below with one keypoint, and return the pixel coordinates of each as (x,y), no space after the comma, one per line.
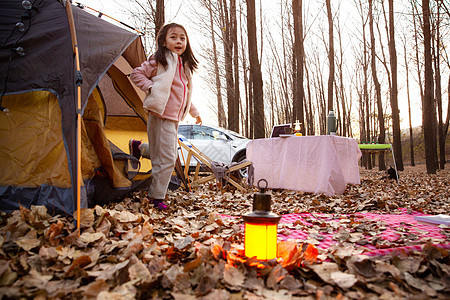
(29,241)
(194,250)
(88,237)
(343,280)
(233,276)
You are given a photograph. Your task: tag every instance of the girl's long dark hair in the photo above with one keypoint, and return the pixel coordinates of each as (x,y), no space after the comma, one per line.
(160,55)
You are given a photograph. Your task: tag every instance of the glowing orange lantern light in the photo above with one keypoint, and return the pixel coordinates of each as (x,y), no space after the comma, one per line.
(261,228)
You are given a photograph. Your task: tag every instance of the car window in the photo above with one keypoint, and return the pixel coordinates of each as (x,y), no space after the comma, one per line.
(206,133)
(202,133)
(185,130)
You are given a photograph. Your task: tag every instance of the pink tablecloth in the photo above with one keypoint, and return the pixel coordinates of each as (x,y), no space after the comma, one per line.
(317,164)
(402,231)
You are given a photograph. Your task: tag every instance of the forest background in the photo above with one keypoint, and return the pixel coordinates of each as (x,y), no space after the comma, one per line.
(383,67)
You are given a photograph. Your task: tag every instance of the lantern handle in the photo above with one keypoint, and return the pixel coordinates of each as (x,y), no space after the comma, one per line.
(262,188)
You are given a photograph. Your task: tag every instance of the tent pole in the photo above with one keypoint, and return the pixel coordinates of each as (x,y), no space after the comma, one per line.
(100,14)
(78,82)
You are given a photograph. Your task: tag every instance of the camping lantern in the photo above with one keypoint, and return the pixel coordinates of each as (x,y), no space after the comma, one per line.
(260,227)
(297,128)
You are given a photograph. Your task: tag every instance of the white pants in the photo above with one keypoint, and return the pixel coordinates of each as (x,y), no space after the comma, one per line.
(162,150)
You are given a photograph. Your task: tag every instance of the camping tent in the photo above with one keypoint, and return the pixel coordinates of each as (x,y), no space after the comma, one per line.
(37,86)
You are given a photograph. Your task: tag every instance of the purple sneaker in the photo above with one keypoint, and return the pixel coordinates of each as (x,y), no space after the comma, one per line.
(158,204)
(133,145)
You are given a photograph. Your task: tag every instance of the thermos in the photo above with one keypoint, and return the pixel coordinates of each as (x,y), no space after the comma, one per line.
(331,123)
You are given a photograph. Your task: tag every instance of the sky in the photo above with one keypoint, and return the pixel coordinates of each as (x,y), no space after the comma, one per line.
(175,11)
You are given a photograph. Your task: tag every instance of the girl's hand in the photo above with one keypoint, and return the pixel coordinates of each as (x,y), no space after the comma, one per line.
(198,120)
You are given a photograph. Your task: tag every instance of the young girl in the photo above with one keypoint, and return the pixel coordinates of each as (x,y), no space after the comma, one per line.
(166,78)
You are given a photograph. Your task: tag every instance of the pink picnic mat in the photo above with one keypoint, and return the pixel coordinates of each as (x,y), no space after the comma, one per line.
(401,230)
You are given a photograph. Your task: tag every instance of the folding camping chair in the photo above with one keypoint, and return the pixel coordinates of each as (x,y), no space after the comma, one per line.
(377,149)
(209,165)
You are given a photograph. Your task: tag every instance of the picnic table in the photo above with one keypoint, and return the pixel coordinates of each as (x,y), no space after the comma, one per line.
(317,164)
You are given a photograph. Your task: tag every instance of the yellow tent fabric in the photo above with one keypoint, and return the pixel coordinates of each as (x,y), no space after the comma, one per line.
(94,123)
(31,128)
(35,117)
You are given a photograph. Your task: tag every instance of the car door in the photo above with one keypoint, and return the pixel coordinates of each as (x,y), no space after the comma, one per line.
(212,142)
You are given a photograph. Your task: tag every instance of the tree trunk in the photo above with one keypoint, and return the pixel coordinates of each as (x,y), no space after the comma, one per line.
(251,107)
(428,102)
(365,109)
(382,135)
(235,63)
(362,120)
(448,111)
(437,81)
(411,136)
(394,92)
(340,66)
(285,80)
(330,55)
(233,119)
(299,93)
(345,128)
(320,94)
(310,116)
(220,110)
(159,16)
(246,122)
(255,72)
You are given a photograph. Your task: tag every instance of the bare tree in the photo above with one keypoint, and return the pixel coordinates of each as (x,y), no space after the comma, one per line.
(446,9)
(220,110)
(159,16)
(287,41)
(415,17)
(382,132)
(281,73)
(394,92)
(448,110)
(321,99)
(428,101)
(255,72)
(233,119)
(309,116)
(234,41)
(364,94)
(149,17)
(411,136)
(249,108)
(362,120)
(438,94)
(299,93)
(330,55)
(340,94)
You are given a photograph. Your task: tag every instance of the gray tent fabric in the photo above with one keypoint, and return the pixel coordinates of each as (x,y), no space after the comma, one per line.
(99,46)
(47,45)
(48,63)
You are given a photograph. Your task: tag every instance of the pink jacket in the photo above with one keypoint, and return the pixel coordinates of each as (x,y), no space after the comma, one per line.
(170,95)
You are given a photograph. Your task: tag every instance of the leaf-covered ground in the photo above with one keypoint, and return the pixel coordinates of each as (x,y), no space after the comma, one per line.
(194,249)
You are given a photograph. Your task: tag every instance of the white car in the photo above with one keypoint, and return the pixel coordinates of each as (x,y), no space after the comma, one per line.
(219,144)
